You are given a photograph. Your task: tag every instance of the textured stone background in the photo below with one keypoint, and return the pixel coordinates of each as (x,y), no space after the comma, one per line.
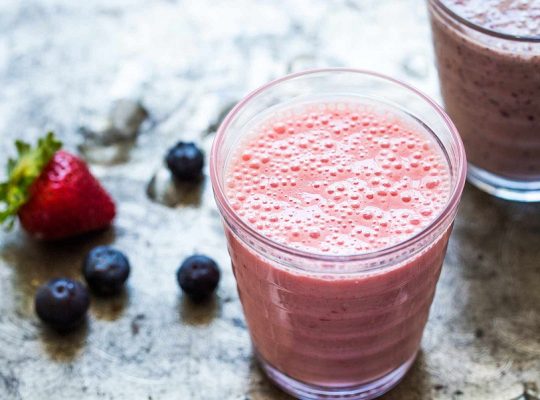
(62,65)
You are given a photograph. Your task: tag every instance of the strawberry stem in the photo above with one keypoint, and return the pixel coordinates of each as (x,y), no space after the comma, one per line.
(22,172)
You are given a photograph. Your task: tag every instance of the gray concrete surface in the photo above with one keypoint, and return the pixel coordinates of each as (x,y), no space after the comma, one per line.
(64,63)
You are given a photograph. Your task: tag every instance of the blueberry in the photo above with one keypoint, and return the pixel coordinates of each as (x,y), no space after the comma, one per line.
(62,303)
(185,160)
(198,276)
(105,269)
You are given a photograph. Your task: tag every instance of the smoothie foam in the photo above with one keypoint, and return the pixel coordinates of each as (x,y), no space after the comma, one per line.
(337,177)
(511,17)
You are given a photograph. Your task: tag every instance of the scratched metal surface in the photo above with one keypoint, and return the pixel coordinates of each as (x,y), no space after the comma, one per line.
(64,63)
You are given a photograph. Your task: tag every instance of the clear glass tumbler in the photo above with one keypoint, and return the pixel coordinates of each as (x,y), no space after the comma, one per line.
(490,84)
(331,326)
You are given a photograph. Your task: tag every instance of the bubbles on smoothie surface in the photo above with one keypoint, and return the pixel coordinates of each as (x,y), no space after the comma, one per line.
(514,17)
(337,178)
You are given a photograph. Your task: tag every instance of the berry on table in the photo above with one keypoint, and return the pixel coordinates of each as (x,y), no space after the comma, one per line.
(53,193)
(198,276)
(106,269)
(62,303)
(185,161)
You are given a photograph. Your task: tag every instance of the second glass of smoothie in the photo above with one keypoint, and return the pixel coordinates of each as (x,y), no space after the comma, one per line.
(488,58)
(338,189)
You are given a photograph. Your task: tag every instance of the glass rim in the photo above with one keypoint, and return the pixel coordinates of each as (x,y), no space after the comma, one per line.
(229,214)
(483,29)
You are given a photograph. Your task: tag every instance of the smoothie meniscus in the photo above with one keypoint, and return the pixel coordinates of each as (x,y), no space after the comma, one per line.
(337,208)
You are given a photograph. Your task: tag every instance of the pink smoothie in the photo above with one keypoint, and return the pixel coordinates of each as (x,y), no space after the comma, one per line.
(337,178)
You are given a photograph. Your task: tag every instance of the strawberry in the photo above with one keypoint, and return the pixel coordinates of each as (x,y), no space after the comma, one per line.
(53,193)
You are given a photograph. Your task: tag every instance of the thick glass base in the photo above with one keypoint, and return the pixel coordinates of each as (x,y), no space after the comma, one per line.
(306,391)
(508,189)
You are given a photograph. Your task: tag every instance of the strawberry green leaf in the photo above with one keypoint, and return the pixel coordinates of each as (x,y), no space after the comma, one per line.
(22,172)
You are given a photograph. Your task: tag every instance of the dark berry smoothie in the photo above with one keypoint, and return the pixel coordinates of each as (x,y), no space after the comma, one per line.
(488,55)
